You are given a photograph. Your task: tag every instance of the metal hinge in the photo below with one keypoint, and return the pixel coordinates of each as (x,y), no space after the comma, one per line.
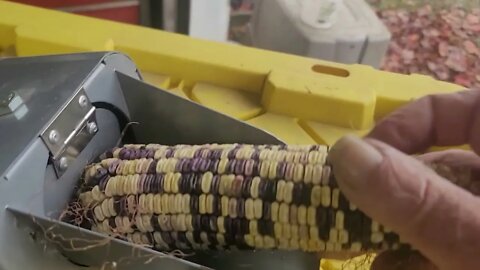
(70,132)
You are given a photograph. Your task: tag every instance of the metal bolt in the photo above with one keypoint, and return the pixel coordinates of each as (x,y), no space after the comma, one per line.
(53,136)
(10,96)
(63,163)
(5,99)
(92,127)
(82,100)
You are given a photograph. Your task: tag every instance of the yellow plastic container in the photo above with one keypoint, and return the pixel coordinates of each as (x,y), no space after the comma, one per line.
(301,100)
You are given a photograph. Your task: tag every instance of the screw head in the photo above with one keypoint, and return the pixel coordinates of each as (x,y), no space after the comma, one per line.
(54,137)
(82,100)
(63,163)
(92,127)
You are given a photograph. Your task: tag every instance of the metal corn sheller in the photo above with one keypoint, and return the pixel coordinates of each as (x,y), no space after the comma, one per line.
(57,114)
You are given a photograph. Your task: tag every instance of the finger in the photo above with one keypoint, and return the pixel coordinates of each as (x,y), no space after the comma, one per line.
(435,120)
(459,166)
(401,260)
(455,158)
(435,216)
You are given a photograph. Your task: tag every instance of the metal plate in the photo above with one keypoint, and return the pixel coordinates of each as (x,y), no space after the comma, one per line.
(44,84)
(168,119)
(70,131)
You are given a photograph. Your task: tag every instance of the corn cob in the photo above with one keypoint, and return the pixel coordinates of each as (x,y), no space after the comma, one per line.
(224,197)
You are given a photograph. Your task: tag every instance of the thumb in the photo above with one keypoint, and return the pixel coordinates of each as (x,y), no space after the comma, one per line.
(438,218)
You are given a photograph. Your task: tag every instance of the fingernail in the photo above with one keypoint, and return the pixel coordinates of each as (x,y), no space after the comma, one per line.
(353,160)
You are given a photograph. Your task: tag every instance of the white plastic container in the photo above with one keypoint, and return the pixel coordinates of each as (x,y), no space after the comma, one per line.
(344,31)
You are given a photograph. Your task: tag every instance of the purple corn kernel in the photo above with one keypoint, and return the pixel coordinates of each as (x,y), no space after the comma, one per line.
(150,239)
(160,180)
(194,206)
(141,183)
(205,223)
(182,186)
(152,168)
(111,223)
(267,214)
(215,185)
(109,154)
(256,166)
(297,193)
(231,165)
(196,164)
(216,207)
(281,167)
(149,153)
(103,183)
(262,189)
(304,158)
(249,167)
(113,167)
(155,224)
(240,166)
(272,188)
(100,174)
(154,184)
(207,154)
(229,239)
(289,171)
(227,221)
(198,153)
(123,153)
(217,154)
(214,165)
(131,154)
(151,182)
(191,182)
(182,238)
(204,165)
(241,208)
(213,224)
(144,153)
(179,165)
(247,183)
(167,238)
(187,166)
(306,194)
(232,153)
(146,184)
(256,155)
(198,183)
(169,153)
(196,237)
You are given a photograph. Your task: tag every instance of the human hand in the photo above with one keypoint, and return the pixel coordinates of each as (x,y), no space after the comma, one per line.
(438,218)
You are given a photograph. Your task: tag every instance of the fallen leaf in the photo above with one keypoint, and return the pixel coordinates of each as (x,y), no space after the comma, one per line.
(471,47)
(412,38)
(429,32)
(473,19)
(463,80)
(432,66)
(443,48)
(456,60)
(408,55)
(425,10)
